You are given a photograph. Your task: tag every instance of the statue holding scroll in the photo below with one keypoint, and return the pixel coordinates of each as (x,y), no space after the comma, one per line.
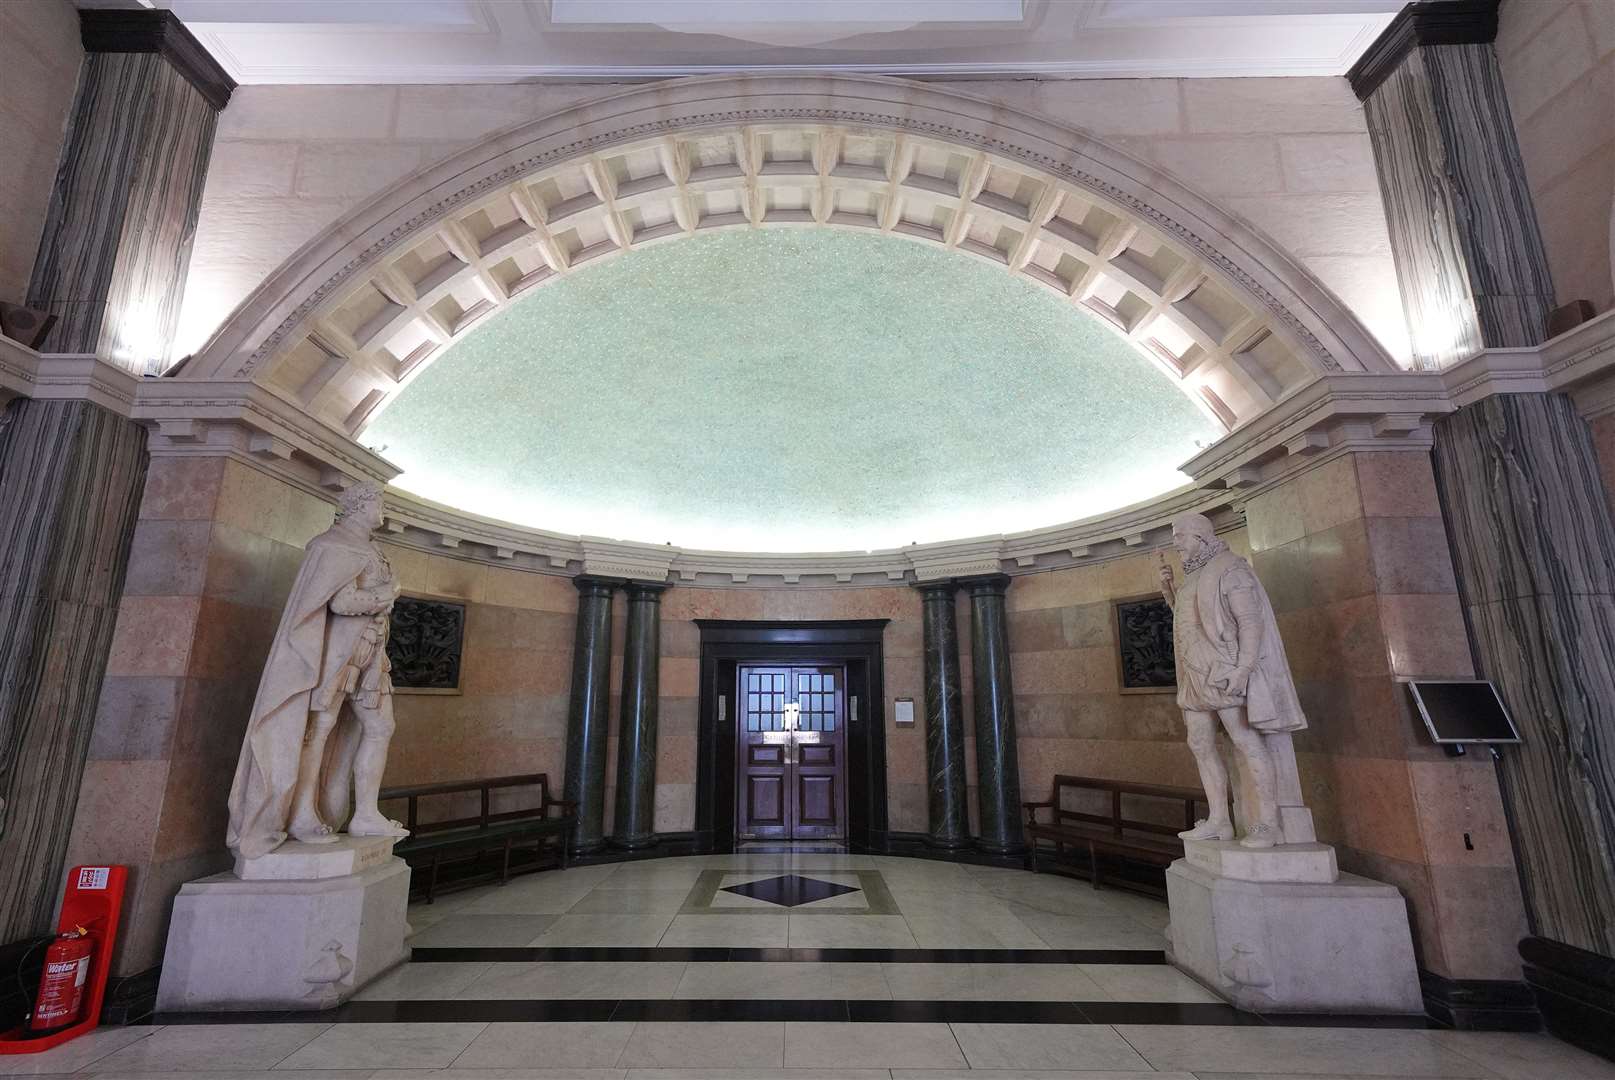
(1232,673)
(323,718)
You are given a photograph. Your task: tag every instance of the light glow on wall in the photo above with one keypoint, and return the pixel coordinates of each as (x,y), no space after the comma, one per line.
(790,390)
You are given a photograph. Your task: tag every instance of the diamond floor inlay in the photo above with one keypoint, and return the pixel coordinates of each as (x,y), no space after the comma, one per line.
(790,890)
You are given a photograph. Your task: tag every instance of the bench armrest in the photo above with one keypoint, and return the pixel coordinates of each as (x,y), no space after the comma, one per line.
(567,806)
(1033,807)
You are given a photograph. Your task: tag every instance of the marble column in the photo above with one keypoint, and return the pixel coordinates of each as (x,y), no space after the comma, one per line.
(70,480)
(944,719)
(634,822)
(1469,256)
(117,241)
(587,720)
(998,773)
(1534,545)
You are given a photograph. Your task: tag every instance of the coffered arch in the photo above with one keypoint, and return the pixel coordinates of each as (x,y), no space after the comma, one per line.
(349,319)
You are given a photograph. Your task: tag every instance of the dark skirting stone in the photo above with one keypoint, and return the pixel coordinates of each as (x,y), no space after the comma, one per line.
(1575,991)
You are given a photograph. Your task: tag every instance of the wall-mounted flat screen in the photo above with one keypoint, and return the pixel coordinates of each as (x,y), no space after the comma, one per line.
(1463,711)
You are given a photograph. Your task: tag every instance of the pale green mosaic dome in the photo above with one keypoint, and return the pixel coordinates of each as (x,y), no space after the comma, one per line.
(790,390)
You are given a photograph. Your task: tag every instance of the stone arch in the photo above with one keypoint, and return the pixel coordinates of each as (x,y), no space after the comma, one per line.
(347,321)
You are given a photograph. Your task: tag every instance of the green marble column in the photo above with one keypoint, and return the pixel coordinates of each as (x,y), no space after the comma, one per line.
(586,719)
(998,774)
(635,819)
(944,720)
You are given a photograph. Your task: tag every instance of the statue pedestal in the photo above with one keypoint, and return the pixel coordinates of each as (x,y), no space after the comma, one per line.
(303,927)
(1281,930)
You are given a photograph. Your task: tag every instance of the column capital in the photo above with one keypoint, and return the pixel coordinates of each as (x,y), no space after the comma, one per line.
(1443,22)
(988,585)
(937,590)
(124,31)
(646,591)
(594,586)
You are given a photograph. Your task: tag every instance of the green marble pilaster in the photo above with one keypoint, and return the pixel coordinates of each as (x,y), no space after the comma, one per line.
(71,475)
(998,774)
(587,714)
(634,823)
(949,815)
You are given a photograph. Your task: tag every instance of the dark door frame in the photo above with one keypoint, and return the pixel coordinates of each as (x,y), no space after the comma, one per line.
(854,642)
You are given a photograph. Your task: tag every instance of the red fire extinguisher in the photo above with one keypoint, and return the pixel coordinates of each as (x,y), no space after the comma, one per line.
(61,987)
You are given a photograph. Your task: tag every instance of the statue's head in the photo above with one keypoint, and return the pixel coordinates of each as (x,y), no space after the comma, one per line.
(361,505)
(1191,533)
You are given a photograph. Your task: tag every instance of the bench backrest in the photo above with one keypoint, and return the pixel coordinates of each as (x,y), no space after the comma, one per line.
(1114,797)
(484,790)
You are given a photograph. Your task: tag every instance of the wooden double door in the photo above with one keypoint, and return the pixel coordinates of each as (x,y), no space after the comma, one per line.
(790,760)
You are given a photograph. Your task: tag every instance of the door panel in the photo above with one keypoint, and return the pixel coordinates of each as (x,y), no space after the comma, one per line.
(791,730)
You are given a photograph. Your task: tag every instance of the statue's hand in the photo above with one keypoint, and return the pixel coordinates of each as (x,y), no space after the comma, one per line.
(1235,682)
(1164,574)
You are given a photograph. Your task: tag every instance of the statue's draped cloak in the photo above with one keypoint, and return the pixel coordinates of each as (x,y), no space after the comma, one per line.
(310,646)
(1208,646)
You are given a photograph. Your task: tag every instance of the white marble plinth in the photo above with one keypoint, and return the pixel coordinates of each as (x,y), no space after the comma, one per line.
(1344,946)
(283,944)
(297,861)
(1313,863)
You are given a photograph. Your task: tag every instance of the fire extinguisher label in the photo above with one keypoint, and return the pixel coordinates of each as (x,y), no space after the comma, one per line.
(94,877)
(82,973)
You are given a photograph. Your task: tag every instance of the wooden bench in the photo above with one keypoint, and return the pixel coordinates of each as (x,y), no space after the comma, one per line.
(1112,832)
(432,843)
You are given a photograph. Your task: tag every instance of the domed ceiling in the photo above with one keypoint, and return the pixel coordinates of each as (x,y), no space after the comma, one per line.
(790,390)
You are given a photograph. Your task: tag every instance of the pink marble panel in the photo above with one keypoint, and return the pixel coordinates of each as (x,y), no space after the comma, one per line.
(1425,635)
(678,715)
(232,640)
(680,676)
(154,635)
(905,754)
(497,670)
(1372,800)
(680,637)
(118,807)
(675,807)
(167,558)
(1481,918)
(181,488)
(1411,555)
(255,502)
(684,603)
(529,589)
(1064,671)
(459,578)
(1397,484)
(905,677)
(1460,813)
(135,718)
(907,809)
(675,759)
(248,568)
(1334,640)
(1328,495)
(519,628)
(1273,518)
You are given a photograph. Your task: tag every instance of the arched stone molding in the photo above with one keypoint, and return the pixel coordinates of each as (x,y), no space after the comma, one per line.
(350,318)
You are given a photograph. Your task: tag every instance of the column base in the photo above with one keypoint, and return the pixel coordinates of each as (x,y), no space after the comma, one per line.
(635,843)
(590,847)
(1012,847)
(948,843)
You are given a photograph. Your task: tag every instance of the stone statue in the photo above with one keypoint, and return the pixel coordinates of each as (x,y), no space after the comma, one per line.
(1232,669)
(323,717)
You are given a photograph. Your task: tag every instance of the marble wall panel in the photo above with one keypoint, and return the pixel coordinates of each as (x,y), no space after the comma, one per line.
(1558,63)
(1355,557)
(41,55)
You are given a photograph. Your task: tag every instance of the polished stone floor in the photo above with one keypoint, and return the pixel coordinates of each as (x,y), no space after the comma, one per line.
(807,967)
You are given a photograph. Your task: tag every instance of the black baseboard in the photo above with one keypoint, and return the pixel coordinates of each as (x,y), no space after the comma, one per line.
(1575,992)
(131,999)
(1479,1004)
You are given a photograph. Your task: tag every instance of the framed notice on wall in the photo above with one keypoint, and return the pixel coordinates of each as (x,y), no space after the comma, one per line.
(1144,645)
(424,645)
